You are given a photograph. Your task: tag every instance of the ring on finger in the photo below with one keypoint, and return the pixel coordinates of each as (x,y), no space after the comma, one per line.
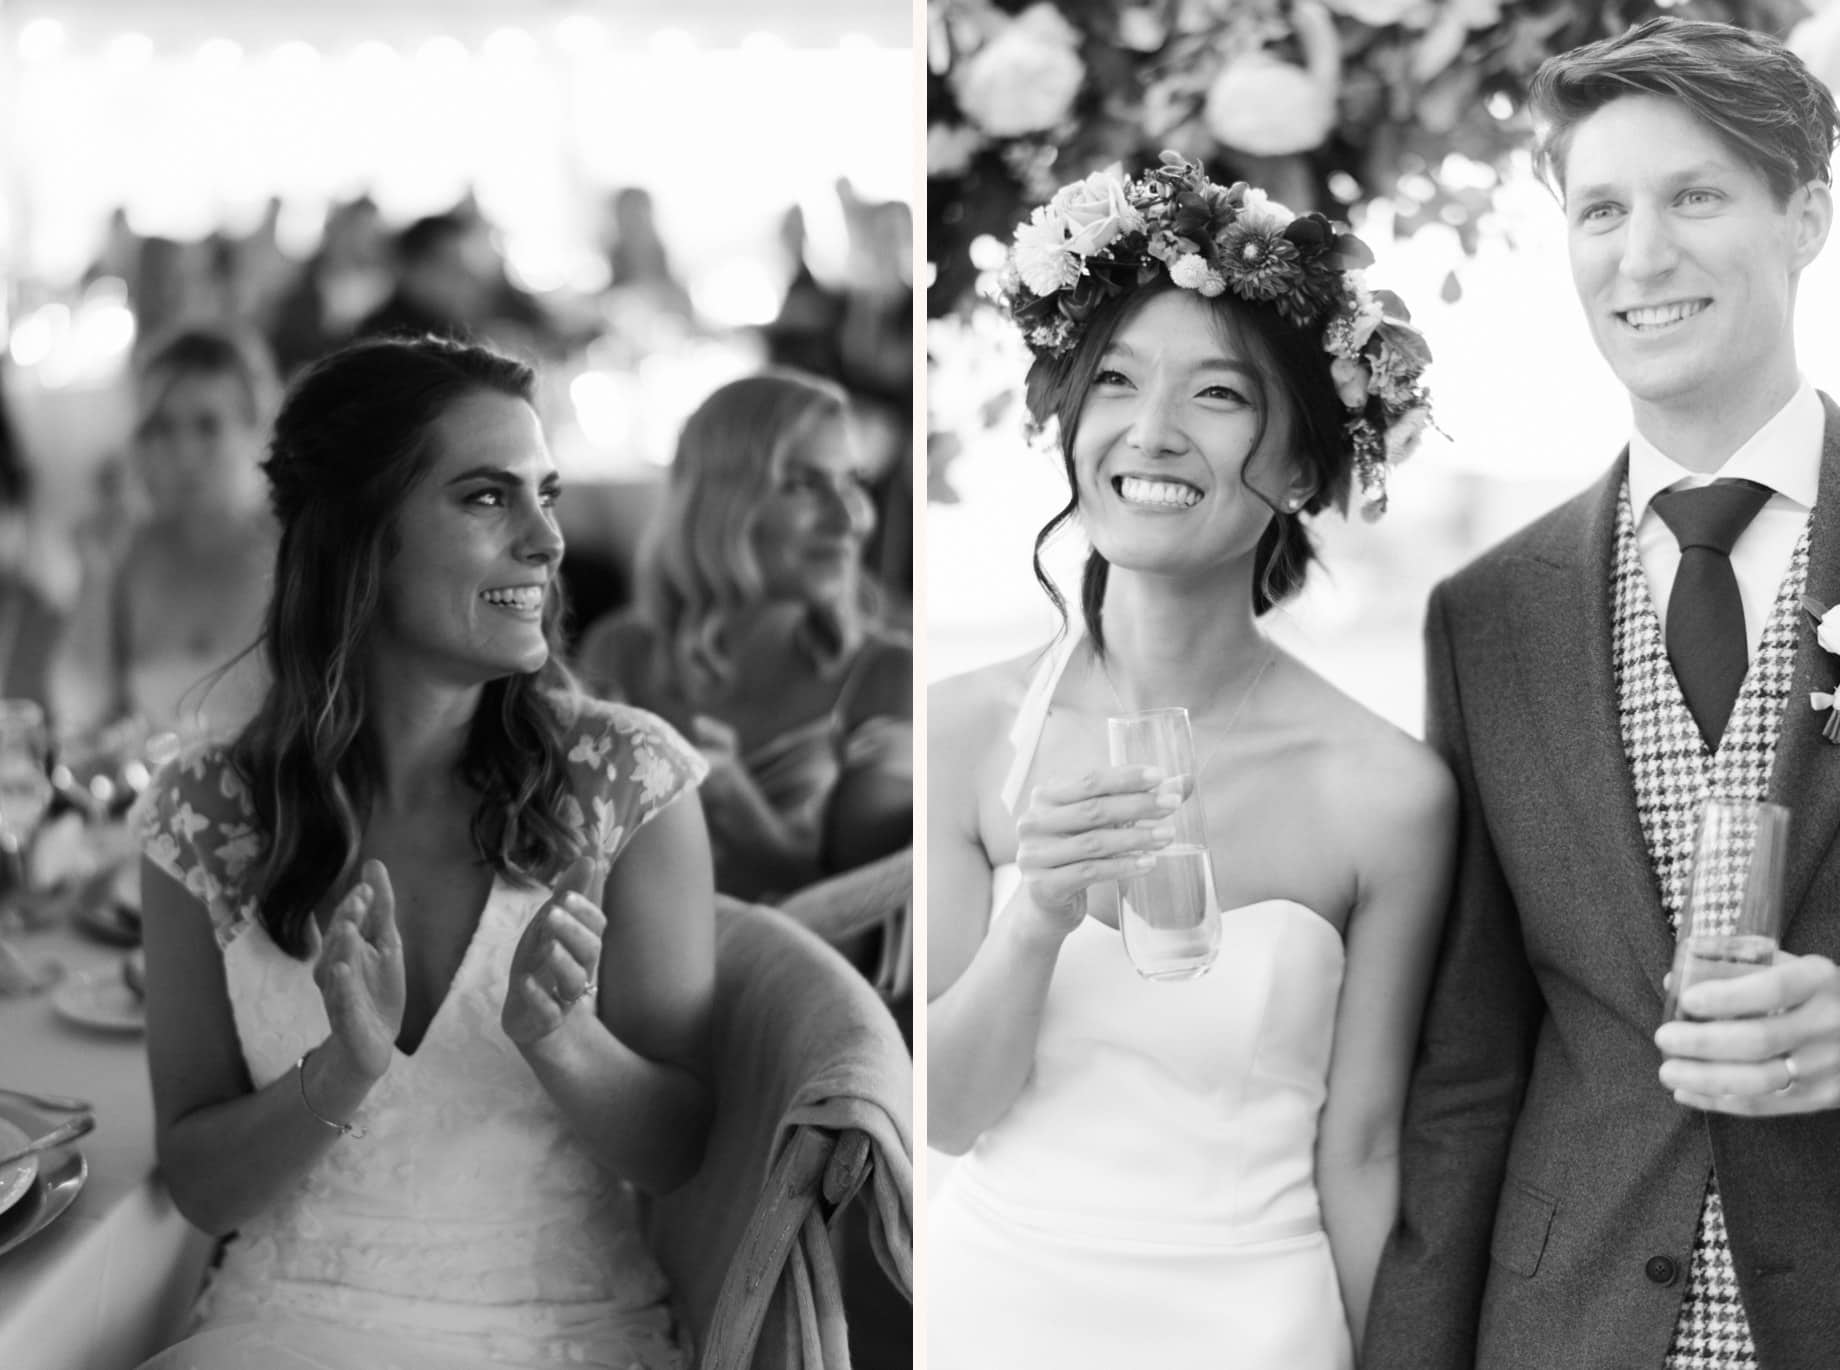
(1791,1076)
(567,1000)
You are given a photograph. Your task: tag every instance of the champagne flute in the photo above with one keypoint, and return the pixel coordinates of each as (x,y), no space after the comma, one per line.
(1732,917)
(25,785)
(1169,915)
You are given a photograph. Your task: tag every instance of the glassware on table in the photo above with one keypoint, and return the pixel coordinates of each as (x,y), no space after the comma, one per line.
(25,786)
(1732,917)
(99,771)
(1169,915)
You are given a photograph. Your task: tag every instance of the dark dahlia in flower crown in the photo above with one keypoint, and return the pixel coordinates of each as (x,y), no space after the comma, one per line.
(1108,234)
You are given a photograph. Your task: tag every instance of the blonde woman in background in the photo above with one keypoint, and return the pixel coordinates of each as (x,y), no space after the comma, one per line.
(186,597)
(756,632)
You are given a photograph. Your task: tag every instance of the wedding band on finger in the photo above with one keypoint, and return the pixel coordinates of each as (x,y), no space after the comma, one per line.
(1791,1075)
(568,1001)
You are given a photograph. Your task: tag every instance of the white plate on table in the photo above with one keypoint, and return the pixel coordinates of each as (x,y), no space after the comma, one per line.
(61,1173)
(100,999)
(15,1179)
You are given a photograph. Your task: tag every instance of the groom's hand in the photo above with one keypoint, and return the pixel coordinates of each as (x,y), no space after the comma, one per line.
(1769,1043)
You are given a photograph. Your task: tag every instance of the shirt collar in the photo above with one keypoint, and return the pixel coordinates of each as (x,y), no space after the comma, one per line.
(1784,454)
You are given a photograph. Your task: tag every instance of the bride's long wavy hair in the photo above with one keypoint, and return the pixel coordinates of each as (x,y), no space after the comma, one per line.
(354,436)
(698,578)
(1287,359)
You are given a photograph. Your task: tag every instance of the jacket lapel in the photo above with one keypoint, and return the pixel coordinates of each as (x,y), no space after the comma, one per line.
(1567,675)
(1806,773)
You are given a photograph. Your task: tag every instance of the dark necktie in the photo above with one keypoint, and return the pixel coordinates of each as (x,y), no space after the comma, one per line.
(1705,618)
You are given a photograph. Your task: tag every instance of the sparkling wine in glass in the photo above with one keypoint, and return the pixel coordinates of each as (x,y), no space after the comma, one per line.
(1733,914)
(1169,915)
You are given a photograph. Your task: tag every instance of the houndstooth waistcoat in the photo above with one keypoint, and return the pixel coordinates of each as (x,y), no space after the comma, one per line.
(1673,773)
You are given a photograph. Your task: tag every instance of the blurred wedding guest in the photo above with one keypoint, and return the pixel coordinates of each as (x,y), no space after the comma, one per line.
(118,255)
(451,282)
(444,283)
(804,335)
(252,269)
(638,261)
(859,333)
(29,622)
(152,626)
(346,278)
(430,945)
(756,630)
(172,282)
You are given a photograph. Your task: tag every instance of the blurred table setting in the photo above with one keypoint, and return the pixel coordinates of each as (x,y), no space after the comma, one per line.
(97,1268)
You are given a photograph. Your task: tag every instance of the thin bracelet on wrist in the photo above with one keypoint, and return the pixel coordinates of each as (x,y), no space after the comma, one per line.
(351,1130)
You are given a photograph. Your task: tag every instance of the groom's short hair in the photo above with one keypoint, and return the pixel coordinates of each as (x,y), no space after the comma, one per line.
(1758,96)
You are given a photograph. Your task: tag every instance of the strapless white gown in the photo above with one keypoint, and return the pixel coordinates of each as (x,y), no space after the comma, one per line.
(1150,1198)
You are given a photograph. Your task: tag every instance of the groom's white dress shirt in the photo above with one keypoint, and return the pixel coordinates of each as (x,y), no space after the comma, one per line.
(1785,455)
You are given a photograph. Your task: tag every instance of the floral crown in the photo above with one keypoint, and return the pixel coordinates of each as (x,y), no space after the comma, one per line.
(1106,235)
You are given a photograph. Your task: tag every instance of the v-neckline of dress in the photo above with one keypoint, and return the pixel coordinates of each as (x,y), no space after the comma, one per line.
(454,983)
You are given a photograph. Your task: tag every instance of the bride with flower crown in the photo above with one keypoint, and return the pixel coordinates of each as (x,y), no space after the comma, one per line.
(1201,1172)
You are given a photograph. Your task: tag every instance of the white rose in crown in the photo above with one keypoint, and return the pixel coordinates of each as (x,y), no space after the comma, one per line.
(1096,211)
(1404,432)
(1352,378)
(1041,258)
(1025,78)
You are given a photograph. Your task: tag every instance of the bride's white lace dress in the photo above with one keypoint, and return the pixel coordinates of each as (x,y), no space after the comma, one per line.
(469,1227)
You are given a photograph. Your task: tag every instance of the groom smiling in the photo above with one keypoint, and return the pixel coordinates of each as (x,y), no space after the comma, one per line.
(1584,1186)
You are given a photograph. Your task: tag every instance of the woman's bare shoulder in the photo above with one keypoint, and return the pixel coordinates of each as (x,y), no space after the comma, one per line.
(978,704)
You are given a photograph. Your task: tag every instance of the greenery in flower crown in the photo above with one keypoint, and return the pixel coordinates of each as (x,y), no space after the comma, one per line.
(1105,235)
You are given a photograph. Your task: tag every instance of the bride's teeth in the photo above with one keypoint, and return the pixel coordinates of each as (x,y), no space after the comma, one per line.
(1175,494)
(1656,315)
(529,597)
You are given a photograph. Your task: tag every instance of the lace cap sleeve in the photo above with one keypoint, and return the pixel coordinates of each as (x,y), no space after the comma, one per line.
(630,765)
(194,822)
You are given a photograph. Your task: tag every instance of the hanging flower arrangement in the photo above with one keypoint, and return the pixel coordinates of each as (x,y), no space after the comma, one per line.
(1328,104)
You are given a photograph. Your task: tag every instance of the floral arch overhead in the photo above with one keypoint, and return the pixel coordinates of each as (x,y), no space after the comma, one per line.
(1328,104)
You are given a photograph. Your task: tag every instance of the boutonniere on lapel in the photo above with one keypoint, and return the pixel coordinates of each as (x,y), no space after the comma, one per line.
(1827,634)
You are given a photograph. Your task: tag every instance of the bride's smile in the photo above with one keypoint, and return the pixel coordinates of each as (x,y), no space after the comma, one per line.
(1175,426)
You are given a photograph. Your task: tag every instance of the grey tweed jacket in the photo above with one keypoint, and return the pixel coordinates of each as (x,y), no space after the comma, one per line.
(1550,1184)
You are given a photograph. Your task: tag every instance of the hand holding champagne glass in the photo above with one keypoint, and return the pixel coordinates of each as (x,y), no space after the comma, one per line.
(1732,918)
(1169,915)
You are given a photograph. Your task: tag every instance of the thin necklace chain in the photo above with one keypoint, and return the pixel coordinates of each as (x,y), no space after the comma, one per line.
(1271,655)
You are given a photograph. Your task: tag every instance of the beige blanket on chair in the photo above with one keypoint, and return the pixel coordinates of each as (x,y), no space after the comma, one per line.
(801,1041)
